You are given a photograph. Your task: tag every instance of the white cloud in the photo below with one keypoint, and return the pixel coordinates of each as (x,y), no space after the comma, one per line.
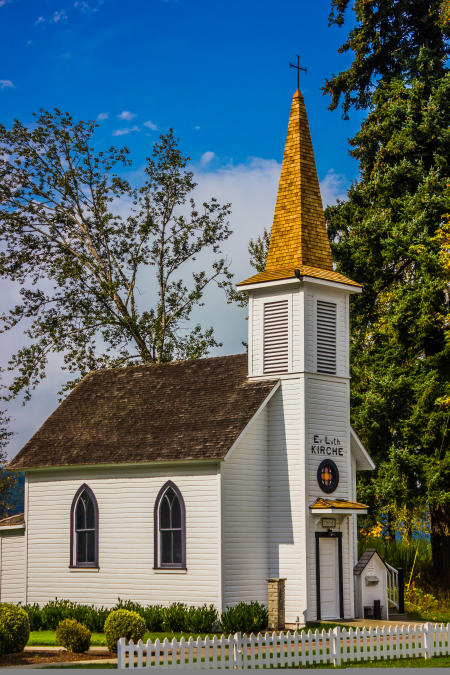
(59,15)
(39,20)
(126,115)
(197,128)
(86,7)
(125,131)
(6,84)
(102,116)
(150,125)
(207,157)
(4,2)
(333,187)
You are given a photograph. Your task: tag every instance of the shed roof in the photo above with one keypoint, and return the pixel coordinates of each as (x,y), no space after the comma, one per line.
(365,559)
(184,410)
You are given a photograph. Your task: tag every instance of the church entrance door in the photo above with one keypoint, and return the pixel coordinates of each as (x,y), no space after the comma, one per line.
(329,575)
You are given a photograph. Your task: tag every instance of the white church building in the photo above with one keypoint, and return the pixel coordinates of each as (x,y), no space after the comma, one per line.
(197,481)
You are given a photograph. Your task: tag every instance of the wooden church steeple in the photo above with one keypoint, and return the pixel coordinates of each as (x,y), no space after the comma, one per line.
(298,239)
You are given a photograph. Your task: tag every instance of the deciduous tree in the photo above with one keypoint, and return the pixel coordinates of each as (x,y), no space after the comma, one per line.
(103,265)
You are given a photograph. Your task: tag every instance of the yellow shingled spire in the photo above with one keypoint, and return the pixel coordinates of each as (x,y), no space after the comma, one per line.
(299,235)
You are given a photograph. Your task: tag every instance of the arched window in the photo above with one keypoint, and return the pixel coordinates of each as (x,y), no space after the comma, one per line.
(84,529)
(170,528)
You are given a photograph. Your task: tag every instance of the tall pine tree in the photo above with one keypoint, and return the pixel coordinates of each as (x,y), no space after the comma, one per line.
(392,234)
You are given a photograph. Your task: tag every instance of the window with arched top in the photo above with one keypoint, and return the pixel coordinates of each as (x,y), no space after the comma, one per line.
(84,529)
(170,528)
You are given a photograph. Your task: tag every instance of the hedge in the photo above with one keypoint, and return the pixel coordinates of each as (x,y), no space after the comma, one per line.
(177,617)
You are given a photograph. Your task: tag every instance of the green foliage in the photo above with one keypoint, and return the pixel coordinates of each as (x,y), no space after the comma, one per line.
(77,259)
(402,553)
(177,617)
(3,642)
(258,249)
(426,606)
(201,619)
(244,617)
(174,617)
(55,611)
(123,623)
(14,626)
(73,635)
(387,40)
(392,235)
(153,617)
(34,616)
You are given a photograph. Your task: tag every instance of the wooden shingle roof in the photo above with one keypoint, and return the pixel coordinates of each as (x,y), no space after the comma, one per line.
(299,239)
(185,410)
(365,559)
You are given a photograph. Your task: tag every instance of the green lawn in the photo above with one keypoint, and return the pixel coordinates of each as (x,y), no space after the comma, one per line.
(46,638)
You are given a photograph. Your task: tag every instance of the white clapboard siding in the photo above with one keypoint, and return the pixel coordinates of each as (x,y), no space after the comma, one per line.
(244,480)
(287,538)
(328,415)
(326,337)
(288,650)
(12,567)
(126,498)
(276,337)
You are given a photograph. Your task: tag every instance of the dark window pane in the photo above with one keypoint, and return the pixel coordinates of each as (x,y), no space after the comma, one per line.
(90,556)
(81,547)
(80,514)
(166,547)
(176,546)
(164,513)
(90,514)
(176,512)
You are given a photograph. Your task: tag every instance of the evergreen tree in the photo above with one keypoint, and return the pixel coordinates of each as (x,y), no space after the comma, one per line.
(392,235)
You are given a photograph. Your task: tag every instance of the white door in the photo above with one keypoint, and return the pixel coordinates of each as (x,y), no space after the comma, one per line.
(329,578)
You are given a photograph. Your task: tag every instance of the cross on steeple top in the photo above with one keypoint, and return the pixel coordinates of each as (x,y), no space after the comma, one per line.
(298,68)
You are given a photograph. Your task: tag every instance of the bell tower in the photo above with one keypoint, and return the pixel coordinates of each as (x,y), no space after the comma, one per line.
(299,334)
(298,306)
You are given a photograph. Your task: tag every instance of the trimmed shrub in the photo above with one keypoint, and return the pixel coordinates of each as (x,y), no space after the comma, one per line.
(153,617)
(73,636)
(174,617)
(123,623)
(251,617)
(152,614)
(3,641)
(34,616)
(201,619)
(15,627)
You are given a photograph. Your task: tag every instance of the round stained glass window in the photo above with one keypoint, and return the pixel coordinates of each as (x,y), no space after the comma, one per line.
(328,476)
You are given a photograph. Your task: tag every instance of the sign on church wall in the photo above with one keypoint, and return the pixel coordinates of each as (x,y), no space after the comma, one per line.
(327,445)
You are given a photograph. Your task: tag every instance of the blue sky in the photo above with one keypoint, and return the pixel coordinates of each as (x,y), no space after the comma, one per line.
(217,72)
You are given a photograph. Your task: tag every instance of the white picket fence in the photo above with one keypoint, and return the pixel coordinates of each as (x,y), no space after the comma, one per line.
(277,650)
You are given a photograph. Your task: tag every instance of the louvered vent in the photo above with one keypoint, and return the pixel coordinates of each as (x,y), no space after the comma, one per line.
(326,337)
(276,337)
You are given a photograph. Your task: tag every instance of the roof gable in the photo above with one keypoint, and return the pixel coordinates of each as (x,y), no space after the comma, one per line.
(365,559)
(185,410)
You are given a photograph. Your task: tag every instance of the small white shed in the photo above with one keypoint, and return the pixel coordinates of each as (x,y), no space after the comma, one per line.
(370,584)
